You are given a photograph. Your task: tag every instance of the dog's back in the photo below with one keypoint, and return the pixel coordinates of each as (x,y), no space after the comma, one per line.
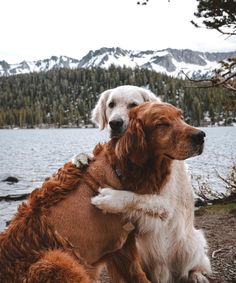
(93,232)
(29,236)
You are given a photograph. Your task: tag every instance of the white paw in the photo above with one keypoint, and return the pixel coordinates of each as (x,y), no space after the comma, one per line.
(109,200)
(81,160)
(198,277)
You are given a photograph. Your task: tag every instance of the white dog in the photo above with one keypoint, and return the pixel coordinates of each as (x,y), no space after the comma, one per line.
(111,111)
(170,250)
(113,105)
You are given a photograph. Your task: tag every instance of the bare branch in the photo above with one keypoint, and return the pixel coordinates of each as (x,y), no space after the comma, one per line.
(226,33)
(225,76)
(233,186)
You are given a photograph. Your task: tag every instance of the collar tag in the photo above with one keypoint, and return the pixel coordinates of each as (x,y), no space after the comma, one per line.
(128,227)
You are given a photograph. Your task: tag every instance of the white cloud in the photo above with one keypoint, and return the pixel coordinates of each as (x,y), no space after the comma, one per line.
(34,29)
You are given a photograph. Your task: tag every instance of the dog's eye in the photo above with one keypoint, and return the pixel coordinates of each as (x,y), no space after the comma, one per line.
(163,125)
(111,104)
(131,105)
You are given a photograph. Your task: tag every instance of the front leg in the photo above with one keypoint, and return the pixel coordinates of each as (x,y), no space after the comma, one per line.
(117,201)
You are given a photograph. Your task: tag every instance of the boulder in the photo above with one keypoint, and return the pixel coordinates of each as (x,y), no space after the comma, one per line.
(11,179)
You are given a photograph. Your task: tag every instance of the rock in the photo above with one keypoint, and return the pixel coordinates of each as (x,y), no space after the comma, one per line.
(11,179)
(199,202)
(14,197)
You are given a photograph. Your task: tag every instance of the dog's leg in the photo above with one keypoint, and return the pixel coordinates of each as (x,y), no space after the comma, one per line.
(116,201)
(56,266)
(124,265)
(195,249)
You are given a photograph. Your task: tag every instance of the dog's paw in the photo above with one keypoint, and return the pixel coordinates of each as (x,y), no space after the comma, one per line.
(82,160)
(109,200)
(197,277)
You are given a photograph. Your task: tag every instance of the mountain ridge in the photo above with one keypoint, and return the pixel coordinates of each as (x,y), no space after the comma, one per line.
(173,62)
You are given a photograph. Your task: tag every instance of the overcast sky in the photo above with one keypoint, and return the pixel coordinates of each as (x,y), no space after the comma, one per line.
(38,29)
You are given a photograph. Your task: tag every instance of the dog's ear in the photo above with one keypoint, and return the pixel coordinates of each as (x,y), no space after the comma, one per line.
(149,96)
(132,145)
(99,112)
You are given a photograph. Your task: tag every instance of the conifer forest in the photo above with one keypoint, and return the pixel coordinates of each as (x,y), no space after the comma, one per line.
(65,97)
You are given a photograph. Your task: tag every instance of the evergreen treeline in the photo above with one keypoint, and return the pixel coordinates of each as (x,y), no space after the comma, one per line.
(65,97)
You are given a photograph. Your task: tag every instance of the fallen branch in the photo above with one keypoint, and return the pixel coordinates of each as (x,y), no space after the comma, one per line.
(233,186)
(216,252)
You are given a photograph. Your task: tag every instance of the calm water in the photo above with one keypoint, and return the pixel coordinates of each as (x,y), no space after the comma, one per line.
(32,155)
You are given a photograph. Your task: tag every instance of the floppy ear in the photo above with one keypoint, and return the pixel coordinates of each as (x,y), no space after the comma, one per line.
(149,96)
(99,112)
(132,145)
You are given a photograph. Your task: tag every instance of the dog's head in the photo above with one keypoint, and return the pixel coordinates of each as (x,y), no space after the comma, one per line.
(158,130)
(114,104)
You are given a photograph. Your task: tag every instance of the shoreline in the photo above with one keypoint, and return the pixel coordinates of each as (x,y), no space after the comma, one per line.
(88,126)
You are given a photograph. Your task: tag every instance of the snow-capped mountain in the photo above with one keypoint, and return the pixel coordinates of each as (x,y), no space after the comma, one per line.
(37,66)
(169,61)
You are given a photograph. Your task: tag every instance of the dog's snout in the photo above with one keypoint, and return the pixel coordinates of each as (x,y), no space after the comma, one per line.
(198,137)
(116,124)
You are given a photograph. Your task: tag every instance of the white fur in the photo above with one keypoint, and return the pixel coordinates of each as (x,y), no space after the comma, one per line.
(82,159)
(170,249)
(130,204)
(122,97)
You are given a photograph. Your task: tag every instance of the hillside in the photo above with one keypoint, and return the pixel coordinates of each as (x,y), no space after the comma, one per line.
(65,97)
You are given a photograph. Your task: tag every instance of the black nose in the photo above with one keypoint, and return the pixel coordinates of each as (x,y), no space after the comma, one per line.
(116,124)
(198,137)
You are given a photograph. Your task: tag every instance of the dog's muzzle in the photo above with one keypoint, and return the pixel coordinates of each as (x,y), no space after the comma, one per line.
(116,126)
(198,138)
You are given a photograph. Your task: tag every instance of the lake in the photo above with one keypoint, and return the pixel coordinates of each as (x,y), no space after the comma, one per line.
(31,155)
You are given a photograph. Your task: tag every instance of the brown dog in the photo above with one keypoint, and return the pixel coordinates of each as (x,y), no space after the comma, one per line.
(58,236)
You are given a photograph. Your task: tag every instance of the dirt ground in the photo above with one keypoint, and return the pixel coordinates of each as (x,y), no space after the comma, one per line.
(219,225)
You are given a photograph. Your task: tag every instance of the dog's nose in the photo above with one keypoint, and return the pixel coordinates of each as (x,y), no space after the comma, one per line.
(198,137)
(116,124)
